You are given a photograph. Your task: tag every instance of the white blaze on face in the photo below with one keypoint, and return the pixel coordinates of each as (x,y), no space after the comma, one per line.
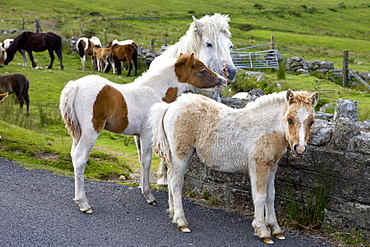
(302,115)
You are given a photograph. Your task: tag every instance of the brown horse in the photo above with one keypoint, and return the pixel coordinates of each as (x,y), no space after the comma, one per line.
(101,56)
(125,53)
(17,84)
(84,47)
(36,42)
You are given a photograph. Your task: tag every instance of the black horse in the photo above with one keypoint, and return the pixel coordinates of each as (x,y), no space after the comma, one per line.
(36,42)
(16,84)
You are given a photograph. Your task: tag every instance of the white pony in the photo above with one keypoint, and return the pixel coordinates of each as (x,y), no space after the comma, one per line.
(229,140)
(209,38)
(6,43)
(92,103)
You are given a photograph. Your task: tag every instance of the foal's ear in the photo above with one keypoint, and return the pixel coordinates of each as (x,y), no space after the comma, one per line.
(191,59)
(314,98)
(290,96)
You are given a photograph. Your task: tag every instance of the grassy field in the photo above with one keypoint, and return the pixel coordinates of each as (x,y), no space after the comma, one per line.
(318,30)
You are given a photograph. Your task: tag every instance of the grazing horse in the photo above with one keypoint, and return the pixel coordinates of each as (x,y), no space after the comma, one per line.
(92,103)
(17,84)
(36,42)
(209,39)
(84,47)
(101,55)
(122,53)
(250,139)
(6,44)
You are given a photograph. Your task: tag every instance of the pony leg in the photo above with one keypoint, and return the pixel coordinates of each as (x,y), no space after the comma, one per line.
(31,58)
(258,184)
(52,57)
(175,184)
(129,67)
(20,100)
(162,174)
(83,61)
(145,150)
(79,152)
(271,221)
(114,68)
(25,63)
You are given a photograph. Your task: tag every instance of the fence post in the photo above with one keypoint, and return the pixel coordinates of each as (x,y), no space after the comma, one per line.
(272,41)
(345,68)
(22,23)
(152,45)
(37,26)
(105,35)
(165,42)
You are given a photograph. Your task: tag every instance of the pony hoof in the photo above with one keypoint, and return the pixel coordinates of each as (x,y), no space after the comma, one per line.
(184,229)
(89,211)
(153,203)
(280,236)
(267,240)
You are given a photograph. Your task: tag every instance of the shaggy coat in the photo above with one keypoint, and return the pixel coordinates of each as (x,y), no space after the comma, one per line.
(229,140)
(92,103)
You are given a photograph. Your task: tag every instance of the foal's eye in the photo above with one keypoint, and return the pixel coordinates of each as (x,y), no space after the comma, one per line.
(290,121)
(209,45)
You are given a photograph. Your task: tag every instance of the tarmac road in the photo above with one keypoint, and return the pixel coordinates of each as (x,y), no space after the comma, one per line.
(36,209)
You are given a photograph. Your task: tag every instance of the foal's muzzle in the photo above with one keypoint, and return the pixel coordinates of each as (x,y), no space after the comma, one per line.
(298,151)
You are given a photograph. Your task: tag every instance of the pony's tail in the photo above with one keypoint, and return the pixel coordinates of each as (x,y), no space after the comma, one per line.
(67,110)
(80,49)
(160,141)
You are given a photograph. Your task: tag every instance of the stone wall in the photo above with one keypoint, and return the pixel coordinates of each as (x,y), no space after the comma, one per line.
(338,156)
(299,65)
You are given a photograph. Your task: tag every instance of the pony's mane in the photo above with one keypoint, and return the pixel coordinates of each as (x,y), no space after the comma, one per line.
(274,99)
(212,25)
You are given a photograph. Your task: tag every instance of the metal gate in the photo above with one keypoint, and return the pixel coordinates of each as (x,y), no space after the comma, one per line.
(244,59)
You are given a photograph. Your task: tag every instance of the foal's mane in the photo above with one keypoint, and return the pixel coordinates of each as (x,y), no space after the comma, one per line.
(212,25)
(271,100)
(279,99)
